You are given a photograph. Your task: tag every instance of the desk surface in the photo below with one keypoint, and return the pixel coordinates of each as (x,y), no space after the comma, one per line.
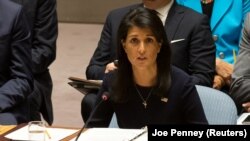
(2,138)
(91,134)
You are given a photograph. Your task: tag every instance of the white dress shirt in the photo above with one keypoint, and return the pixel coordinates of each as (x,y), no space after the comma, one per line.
(163,11)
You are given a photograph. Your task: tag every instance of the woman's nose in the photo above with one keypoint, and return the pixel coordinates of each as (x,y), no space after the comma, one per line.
(141,48)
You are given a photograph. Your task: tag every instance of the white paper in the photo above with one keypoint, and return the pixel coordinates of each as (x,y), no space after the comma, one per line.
(112,134)
(56,134)
(242,118)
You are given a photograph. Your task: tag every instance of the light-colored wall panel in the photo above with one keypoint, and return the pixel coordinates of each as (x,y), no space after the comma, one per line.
(88,11)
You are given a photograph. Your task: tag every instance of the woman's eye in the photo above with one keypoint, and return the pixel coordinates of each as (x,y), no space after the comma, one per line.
(149,40)
(134,41)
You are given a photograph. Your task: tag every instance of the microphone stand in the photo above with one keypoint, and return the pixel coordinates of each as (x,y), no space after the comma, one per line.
(105,97)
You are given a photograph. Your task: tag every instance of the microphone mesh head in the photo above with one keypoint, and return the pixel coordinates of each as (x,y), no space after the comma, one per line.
(105,96)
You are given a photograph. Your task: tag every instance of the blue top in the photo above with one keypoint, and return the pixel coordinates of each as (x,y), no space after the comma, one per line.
(226,24)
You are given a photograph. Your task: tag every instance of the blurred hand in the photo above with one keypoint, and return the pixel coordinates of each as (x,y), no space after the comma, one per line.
(111,66)
(218,82)
(224,70)
(246,106)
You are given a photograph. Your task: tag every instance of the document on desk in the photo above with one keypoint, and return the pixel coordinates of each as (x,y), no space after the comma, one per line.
(55,134)
(243,119)
(113,134)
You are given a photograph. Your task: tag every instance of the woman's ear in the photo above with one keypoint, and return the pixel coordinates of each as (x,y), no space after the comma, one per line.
(160,43)
(123,44)
(159,49)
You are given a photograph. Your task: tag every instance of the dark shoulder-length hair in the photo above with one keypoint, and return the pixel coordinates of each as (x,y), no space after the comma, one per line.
(143,18)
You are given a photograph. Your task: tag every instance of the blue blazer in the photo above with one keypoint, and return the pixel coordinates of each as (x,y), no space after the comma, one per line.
(226,24)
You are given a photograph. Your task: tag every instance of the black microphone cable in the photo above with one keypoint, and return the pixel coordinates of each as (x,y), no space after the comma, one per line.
(105,97)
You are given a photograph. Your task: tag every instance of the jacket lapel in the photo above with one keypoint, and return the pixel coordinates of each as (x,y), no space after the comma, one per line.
(172,22)
(219,10)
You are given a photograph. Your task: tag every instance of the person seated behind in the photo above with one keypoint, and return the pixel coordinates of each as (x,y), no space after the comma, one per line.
(226,34)
(42,19)
(240,90)
(16,81)
(145,84)
(189,33)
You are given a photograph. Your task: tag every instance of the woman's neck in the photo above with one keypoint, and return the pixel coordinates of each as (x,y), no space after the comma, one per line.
(145,77)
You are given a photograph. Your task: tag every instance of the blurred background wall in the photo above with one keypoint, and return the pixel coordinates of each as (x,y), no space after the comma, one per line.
(88,11)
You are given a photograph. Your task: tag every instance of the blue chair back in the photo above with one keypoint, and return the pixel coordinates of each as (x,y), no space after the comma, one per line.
(219,107)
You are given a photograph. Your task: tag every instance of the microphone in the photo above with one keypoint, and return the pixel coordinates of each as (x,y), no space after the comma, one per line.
(105,97)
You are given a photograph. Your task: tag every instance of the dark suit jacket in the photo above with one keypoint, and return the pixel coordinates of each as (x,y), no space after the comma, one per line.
(16,80)
(182,107)
(240,90)
(42,18)
(193,48)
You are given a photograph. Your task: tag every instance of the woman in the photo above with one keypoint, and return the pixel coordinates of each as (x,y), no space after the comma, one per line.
(226,20)
(146,89)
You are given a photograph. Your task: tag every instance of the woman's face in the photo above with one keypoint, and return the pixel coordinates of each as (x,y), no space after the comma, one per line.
(141,47)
